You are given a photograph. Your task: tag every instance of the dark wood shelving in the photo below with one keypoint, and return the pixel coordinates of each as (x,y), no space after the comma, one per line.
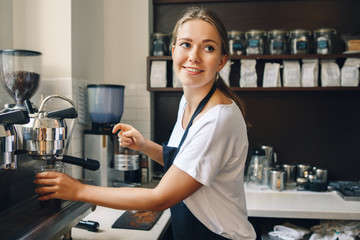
(276,57)
(209,1)
(277,89)
(265,58)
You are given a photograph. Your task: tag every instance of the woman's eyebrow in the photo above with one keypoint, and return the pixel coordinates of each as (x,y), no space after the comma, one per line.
(204,41)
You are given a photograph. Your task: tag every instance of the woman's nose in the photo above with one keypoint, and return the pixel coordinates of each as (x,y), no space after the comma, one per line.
(194,55)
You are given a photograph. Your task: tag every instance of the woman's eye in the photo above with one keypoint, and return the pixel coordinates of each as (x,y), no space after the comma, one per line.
(209,48)
(185,45)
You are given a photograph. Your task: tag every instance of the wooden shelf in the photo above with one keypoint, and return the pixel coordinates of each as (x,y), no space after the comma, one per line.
(277,89)
(205,1)
(276,57)
(266,58)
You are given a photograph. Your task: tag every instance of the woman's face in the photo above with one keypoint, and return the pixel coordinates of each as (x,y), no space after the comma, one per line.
(197,53)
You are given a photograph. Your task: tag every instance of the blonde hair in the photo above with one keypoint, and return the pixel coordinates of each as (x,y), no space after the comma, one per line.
(194,13)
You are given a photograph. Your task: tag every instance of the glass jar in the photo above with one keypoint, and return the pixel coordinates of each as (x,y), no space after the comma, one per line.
(236,42)
(324,40)
(255,42)
(277,40)
(159,44)
(299,41)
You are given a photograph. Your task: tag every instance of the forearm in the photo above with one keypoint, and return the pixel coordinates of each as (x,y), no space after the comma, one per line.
(121,198)
(153,150)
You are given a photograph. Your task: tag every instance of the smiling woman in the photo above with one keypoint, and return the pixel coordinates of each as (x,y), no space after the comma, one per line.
(205,156)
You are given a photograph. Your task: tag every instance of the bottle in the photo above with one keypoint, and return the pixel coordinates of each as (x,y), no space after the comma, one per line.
(257,173)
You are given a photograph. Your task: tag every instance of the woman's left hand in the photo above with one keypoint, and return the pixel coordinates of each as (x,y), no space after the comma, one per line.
(57,185)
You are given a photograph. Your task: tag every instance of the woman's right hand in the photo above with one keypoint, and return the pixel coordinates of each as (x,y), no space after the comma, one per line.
(129,137)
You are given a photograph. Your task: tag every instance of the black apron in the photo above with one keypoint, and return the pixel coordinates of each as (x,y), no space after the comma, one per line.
(185,225)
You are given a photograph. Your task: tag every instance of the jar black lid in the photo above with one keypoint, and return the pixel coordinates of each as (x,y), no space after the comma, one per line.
(104,86)
(259,152)
(20,52)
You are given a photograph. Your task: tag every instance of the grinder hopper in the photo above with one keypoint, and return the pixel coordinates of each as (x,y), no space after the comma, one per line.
(20,74)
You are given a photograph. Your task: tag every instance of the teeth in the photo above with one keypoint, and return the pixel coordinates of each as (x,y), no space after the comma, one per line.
(193,70)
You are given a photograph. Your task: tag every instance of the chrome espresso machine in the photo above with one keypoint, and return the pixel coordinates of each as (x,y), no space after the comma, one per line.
(29,137)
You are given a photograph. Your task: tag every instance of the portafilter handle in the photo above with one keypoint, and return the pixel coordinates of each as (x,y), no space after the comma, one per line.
(14,117)
(83,162)
(63,113)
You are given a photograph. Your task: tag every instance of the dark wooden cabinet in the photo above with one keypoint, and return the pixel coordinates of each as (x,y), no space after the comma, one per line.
(319,126)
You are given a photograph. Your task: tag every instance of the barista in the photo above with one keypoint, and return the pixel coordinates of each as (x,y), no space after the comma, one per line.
(205,155)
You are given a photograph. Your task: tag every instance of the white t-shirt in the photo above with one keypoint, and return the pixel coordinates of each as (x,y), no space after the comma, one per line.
(214,153)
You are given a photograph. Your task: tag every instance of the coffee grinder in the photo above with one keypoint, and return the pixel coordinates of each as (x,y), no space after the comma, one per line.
(105,104)
(19,75)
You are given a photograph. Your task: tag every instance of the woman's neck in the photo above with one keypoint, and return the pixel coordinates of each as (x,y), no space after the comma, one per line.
(194,96)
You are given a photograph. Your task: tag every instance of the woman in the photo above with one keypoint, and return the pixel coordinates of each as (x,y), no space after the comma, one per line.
(205,156)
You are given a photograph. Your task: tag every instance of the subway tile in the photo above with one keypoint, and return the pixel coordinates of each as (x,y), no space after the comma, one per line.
(130,90)
(143,114)
(64,86)
(47,86)
(142,91)
(129,114)
(136,102)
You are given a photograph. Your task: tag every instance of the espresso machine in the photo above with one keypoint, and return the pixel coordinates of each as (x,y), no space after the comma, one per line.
(29,137)
(105,104)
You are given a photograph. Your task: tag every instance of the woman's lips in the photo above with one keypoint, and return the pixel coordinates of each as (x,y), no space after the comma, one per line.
(193,70)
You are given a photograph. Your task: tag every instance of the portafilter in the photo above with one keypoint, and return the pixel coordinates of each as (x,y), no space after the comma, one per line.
(8,137)
(46,137)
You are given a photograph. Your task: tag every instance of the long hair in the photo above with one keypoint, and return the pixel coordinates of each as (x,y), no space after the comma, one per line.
(211,17)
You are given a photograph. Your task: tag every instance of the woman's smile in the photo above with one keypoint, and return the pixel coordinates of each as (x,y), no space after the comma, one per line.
(193,70)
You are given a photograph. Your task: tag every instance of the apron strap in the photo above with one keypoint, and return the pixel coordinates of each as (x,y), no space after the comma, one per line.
(197,111)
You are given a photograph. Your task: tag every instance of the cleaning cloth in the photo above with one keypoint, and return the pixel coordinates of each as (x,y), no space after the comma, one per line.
(288,232)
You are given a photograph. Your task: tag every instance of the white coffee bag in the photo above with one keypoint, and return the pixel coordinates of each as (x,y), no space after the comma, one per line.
(330,73)
(291,73)
(158,74)
(310,73)
(271,76)
(350,73)
(248,75)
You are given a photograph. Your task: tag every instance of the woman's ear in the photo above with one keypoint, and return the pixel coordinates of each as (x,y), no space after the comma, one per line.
(222,62)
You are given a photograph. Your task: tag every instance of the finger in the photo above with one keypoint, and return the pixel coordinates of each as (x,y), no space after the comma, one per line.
(47,175)
(45,181)
(46,197)
(44,190)
(121,126)
(126,143)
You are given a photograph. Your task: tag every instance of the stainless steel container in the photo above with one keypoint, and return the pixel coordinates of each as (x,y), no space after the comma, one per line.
(290,171)
(127,164)
(302,172)
(299,41)
(321,175)
(324,40)
(277,179)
